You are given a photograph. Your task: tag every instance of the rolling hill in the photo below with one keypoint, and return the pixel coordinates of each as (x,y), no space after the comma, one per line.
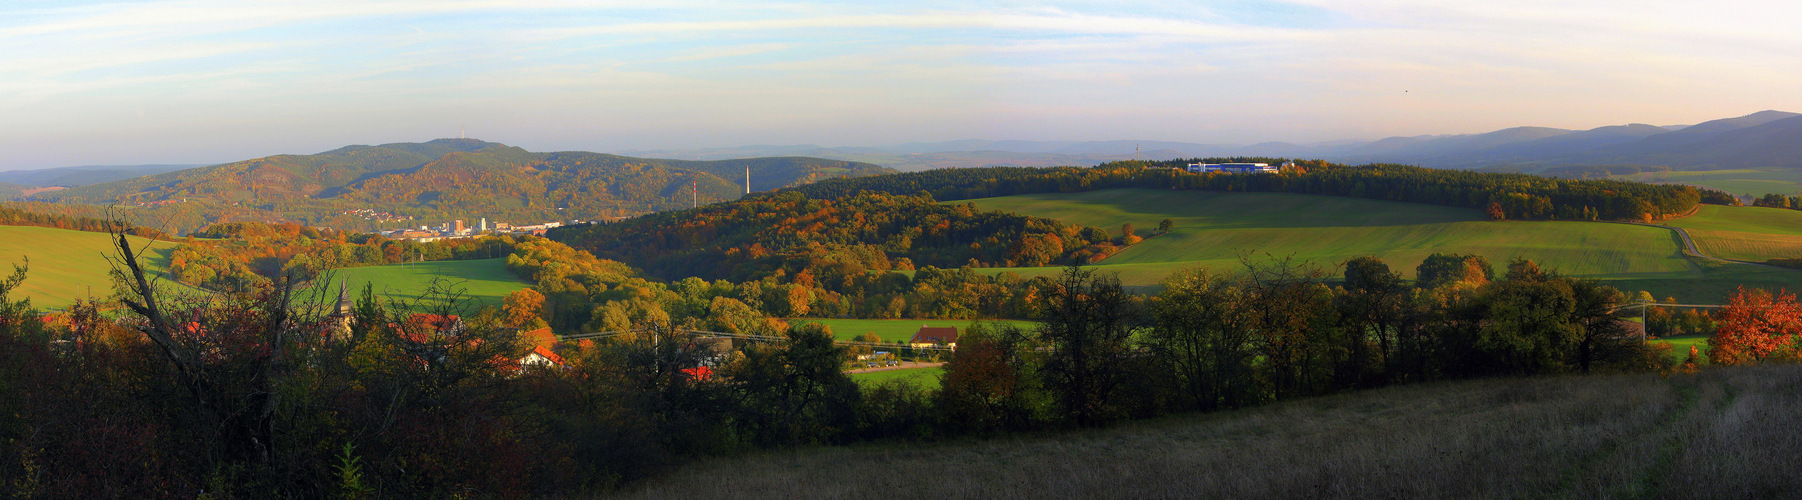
(84,175)
(1758,140)
(67,264)
(1721,433)
(1213,230)
(1745,233)
(457,178)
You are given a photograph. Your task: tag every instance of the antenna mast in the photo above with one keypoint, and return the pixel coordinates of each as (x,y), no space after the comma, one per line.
(747,179)
(694,193)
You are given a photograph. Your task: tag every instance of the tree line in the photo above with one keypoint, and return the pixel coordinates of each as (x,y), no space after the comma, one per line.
(1503,195)
(18,215)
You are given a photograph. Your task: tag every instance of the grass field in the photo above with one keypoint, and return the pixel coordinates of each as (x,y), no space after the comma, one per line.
(1213,230)
(924,378)
(1680,345)
(892,330)
(1723,433)
(66,264)
(1745,233)
(484,281)
(1741,182)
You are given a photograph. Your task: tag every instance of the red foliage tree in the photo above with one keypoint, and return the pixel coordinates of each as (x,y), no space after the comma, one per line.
(1755,324)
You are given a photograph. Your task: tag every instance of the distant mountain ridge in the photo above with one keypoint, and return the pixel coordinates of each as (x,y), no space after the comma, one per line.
(1762,139)
(84,175)
(459,178)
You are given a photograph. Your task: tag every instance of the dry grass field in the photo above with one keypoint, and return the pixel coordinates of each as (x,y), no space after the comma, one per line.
(1724,433)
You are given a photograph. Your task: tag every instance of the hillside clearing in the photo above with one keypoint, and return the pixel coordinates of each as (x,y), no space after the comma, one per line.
(1723,433)
(66,264)
(484,281)
(1214,230)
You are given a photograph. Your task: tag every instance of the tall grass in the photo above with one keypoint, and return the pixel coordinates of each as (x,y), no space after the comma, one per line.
(1721,433)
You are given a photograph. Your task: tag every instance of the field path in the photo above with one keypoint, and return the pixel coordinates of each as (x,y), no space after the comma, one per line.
(1689,245)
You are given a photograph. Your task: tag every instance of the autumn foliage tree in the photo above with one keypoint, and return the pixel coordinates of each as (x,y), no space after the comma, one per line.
(1755,325)
(521,309)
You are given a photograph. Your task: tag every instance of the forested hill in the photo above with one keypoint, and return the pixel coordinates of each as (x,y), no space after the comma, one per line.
(788,234)
(460,178)
(1509,196)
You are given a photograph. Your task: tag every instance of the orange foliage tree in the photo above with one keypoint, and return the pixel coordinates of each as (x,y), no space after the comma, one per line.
(521,309)
(1755,324)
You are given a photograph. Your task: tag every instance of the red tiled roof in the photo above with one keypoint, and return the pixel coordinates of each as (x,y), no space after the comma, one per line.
(935,335)
(541,337)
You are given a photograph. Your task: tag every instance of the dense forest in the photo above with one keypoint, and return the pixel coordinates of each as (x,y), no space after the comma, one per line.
(834,237)
(1508,196)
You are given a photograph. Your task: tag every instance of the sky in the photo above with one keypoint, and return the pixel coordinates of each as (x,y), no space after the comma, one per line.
(211,81)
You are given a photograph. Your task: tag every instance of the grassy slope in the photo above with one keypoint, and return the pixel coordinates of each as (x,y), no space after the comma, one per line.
(1721,434)
(892,330)
(64,262)
(1213,229)
(924,378)
(486,281)
(1745,233)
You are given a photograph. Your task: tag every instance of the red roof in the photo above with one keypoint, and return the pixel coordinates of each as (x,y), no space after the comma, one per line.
(698,373)
(546,352)
(541,337)
(935,335)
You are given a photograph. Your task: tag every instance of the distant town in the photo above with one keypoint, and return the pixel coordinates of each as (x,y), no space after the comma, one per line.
(460,229)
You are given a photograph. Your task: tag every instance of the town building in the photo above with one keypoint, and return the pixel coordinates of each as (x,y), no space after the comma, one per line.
(1233,168)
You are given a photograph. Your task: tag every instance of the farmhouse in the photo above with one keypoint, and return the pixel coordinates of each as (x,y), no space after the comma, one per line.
(934,336)
(542,341)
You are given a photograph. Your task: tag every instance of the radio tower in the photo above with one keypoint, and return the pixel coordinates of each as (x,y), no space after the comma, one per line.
(694,193)
(747,179)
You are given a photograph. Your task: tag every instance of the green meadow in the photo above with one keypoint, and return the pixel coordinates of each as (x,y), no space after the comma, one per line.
(1214,230)
(893,330)
(1741,182)
(1680,345)
(1745,233)
(924,378)
(68,264)
(484,282)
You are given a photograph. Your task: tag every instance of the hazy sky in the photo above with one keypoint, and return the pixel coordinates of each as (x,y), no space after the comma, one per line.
(212,81)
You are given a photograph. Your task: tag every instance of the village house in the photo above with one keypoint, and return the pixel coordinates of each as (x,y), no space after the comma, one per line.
(934,336)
